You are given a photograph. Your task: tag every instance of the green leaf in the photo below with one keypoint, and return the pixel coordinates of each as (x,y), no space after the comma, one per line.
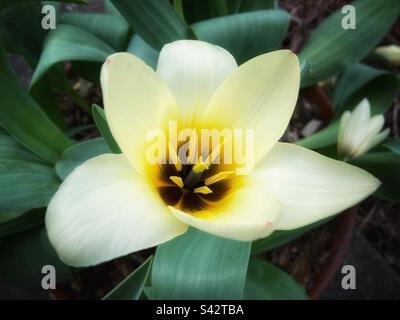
(101,123)
(218,7)
(323,138)
(70,43)
(80,129)
(143,50)
(79,153)
(13,30)
(22,223)
(305,67)
(110,28)
(353,79)
(394,146)
(281,237)
(245,35)
(23,256)
(28,185)
(12,150)
(253,5)
(386,167)
(110,8)
(198,265)
(10,215)
(44,95)
(332,49)
(155,21)
(132,286)
(267,282)
(24,120)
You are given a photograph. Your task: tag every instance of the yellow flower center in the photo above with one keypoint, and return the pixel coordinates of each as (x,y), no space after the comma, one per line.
(195,185)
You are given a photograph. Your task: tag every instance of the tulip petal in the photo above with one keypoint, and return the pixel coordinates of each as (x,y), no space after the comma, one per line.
(374,126)
(356,128)
(310,186)
(372,142)
(136,100)
(193,71)
(246,214)
(106,209)
(261,95)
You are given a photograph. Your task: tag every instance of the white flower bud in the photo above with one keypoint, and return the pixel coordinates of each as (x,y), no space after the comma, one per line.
(359,132)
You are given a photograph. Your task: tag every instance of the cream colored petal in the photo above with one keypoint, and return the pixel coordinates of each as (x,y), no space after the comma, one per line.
(193,71)
(391,53)
(136,101)
(260,95)
(246,214)
(356,129)
(373,142)
(375,125)
(105,209)
(310,186)
(343,149)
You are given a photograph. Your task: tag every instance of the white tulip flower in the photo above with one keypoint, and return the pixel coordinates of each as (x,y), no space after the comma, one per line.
(116,204)
(359,132)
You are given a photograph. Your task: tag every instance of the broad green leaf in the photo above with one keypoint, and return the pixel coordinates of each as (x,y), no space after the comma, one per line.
(24,120)
(252,5)
(12,150)
(23,256)
(132,286)
(353,79)
(110,28)
(10,215)
(233,6)
(110,8)
(79,153)
(70,43)
(245,35)
(101,123)
(20,34)
(143,50)
(196,11)
(332,49)
(79,129)
(380,93)
(323,138)
(267,282)
(386,167)
(25,222)
(305,67)
(156,21)
(43,94)
(281,237)
(198,265)
(27,185)
(394,146)
(218,7)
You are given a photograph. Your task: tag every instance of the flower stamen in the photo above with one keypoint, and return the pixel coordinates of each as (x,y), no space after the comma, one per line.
(177,180)
(203,190)
(218,177)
